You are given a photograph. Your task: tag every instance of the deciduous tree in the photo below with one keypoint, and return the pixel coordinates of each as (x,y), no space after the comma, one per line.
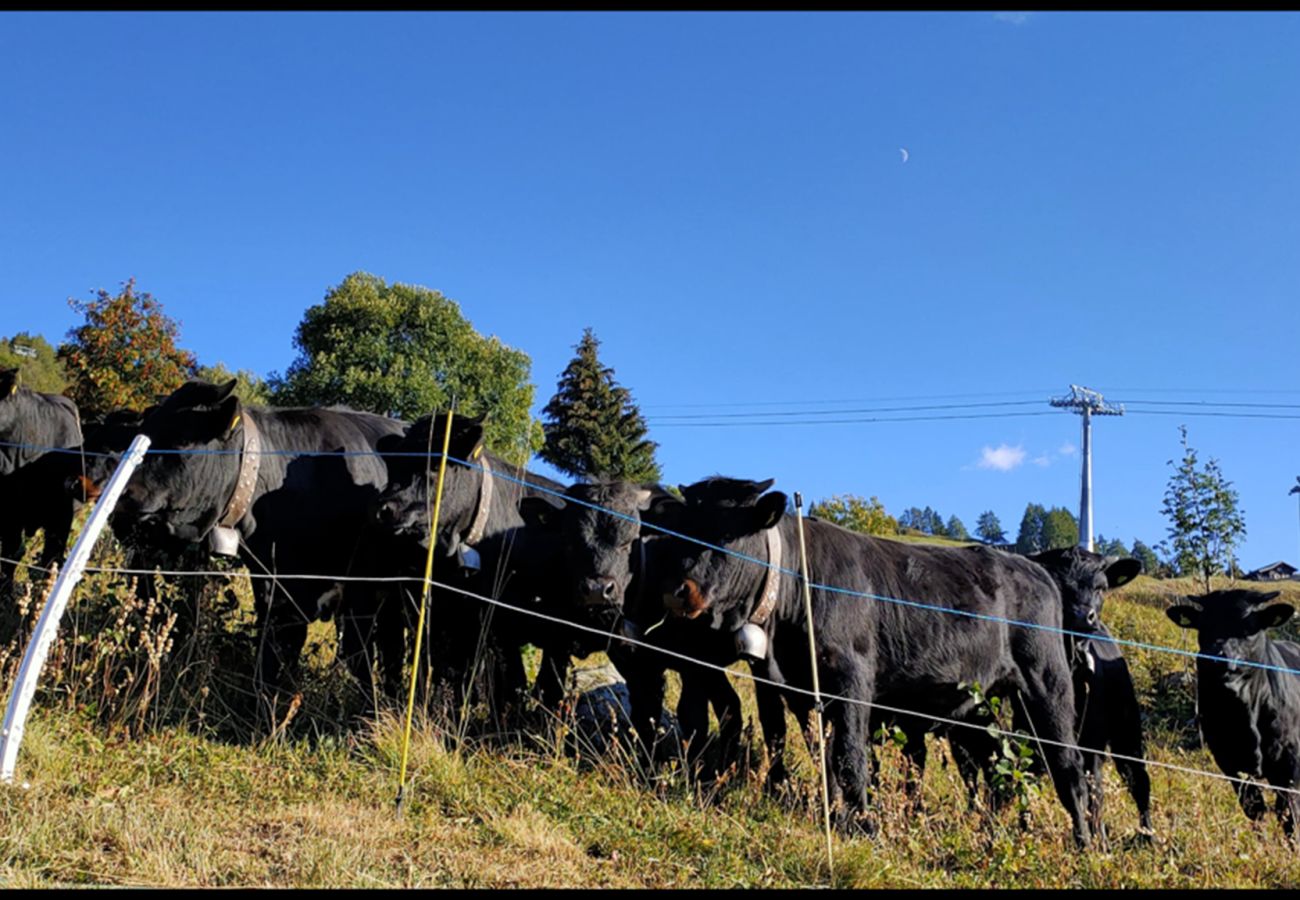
(124,355)
(406,350)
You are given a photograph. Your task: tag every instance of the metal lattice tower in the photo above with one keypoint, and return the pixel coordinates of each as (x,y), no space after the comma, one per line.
(1087,404)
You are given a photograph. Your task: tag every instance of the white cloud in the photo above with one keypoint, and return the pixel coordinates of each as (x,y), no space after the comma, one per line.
(1003,459)
(1012,18)
(1043,460)
(1067,449)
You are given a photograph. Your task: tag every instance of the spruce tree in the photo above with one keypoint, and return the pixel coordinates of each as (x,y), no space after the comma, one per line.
(593,428)
(989,528)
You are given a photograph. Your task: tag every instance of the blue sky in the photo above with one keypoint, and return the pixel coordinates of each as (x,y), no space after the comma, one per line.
(1106,199)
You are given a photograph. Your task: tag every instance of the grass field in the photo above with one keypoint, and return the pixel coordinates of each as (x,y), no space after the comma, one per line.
(144,765)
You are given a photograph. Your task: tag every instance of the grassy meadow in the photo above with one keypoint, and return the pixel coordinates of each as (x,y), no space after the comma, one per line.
(146,763)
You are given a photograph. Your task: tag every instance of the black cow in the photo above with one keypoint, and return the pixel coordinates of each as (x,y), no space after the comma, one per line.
(1249,714)
(1106,706)
(609,557)
(295,485)
(481,546)
(34,427)
(871,650)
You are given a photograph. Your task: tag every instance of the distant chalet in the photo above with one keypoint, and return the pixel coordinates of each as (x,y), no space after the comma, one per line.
(1278,571)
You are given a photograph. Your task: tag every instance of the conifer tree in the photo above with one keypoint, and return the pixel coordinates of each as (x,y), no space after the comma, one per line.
(593,428)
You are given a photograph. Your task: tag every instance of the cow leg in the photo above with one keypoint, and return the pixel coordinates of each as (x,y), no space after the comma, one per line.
(548,689)
(1049,702)
(58,526)
(850,757)
(1123,722)
(727,709)
(693,713)
(1251,799)
(1287,804)
(645,688)
(282,630)
(771,719)
(12,546)
(914,757)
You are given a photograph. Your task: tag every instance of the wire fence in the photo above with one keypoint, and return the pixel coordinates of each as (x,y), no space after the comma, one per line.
(608,634)
(829,589)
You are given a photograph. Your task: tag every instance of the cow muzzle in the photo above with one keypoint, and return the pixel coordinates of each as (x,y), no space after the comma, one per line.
(687,601)
(601,591)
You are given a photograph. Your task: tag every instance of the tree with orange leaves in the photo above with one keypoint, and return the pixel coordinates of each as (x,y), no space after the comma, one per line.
(125,355)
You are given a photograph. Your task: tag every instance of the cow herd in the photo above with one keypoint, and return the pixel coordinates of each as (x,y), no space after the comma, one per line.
(697,580)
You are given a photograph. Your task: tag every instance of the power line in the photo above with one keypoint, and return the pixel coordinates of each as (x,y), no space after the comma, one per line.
(846,412)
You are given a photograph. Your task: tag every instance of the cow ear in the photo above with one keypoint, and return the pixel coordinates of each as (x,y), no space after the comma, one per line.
(769,510)
(1122,572)
(221,421)
(8,382)
(389,444)
(541,512)
(225,390)
(664,510)
(1272,616)
(1184,616)
(467,439)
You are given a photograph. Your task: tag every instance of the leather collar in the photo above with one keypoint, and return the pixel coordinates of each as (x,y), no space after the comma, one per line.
(479,525)
(250,460)
(771,581)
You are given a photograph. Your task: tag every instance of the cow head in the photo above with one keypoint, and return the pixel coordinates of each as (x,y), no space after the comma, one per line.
(1084,577)
(599,525)
(10,412)
(1231,626)
(181,493)
(8,383)
(106,440)
(403,510)
(727,513)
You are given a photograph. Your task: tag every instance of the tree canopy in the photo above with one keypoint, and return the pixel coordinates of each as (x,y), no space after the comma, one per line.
(1205,524)
(38,366)
(125,355)
(856,513)
(988,529)
(407,350)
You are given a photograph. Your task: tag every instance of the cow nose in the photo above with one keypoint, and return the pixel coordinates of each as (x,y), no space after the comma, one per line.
(599,590)
(1092,617)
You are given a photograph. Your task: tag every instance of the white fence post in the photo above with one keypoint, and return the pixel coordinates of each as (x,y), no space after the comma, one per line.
(48,624)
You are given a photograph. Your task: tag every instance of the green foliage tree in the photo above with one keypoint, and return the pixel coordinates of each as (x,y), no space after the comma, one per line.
(248,386)
(856,513)
(956,530)
(989,529)
(125,354)
(1109,546)
(1060,529)
(1145,555)
(1205,524)
(593,428)
(38,366)
(933,522)
(1030,537)
(406,350)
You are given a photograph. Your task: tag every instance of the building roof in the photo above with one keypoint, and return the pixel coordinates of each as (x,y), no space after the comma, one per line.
(1279,565)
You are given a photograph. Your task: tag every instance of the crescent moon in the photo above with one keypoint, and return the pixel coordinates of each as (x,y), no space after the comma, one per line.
(903,150)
